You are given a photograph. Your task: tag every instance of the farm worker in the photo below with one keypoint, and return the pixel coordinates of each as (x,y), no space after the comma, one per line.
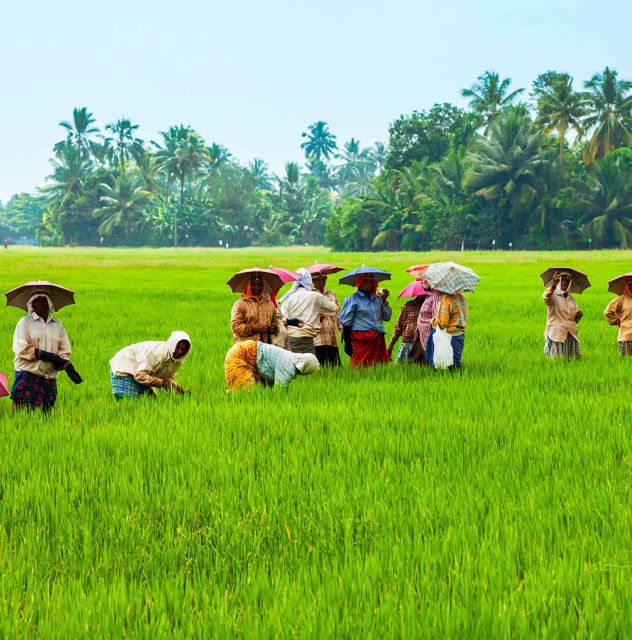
(250,362)
(141,368)
(42,349)
(452,316)
(326,342)
(424,321)
(363,314)
(562,316)
(406,328)
(254,316)
(619,313)
(305,305)
(281,339)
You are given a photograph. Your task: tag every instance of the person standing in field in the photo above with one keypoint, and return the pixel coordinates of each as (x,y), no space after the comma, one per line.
(42,349)
(406,328)
(427,314)
(141,368)
(362,316)
(248,363)
(254,316)
(451,315)
(619,314)
(303,308)
(326,342)
(562,316)
(281,338)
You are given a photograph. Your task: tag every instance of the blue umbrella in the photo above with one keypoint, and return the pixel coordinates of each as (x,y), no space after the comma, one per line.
(351,277)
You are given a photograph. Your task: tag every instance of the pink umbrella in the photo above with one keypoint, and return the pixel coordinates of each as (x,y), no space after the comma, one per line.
(413,290)
(4,385)
(417,271)
(324,268)
(271,280)
(286,275)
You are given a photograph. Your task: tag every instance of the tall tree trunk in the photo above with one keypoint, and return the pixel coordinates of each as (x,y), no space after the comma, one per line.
(562,136)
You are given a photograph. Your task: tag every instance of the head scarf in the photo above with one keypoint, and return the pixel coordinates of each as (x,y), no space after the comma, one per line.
(366,276)
(627,288)
(172,343)
(248,294)
(558,288)
(306,363)
(35,296)
(304,280)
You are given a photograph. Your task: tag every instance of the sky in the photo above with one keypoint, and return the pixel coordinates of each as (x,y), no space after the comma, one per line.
(252,75)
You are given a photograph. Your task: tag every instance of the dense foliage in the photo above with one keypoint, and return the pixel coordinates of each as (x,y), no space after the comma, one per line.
(548,169)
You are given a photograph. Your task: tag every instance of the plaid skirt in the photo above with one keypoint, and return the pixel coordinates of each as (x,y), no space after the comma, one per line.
(127,387)
(30,391)
(404,352)
(625,347)
(566,350)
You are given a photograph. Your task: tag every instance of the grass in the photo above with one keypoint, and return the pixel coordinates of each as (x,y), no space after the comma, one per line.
(396,502)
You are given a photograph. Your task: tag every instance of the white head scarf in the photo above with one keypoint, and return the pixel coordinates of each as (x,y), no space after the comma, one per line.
(306,363)
(172,343)
(305,281)
(35,296)
(558,288)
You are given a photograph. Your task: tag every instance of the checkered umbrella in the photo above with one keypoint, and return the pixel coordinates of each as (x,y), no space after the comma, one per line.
(451,278)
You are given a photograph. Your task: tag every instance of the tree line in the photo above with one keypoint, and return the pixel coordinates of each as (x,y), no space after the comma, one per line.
(550,168)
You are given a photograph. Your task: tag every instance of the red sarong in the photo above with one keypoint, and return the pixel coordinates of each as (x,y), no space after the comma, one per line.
(369,348)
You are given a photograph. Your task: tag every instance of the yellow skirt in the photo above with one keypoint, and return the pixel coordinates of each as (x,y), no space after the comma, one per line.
(240,365)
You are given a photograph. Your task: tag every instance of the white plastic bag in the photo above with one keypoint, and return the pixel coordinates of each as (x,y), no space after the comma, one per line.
(443,355)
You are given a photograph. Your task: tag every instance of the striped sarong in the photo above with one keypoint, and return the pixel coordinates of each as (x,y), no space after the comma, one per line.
(567,350)
(625,347)
(127,387)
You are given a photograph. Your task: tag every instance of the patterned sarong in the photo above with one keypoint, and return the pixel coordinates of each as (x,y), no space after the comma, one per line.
(566,350)
(369,348)
(404,352)
(30,391)
(625,347)
(127,387)
(240,365)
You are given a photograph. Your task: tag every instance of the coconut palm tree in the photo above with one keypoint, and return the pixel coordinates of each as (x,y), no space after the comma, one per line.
(69,170)
(320,143)
(122,205)
(259,169)
(490,95)
(609,114)
(79,131)
(560,109)
(122,141)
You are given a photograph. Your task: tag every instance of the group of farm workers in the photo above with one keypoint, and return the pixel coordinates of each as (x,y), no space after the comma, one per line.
(275,341)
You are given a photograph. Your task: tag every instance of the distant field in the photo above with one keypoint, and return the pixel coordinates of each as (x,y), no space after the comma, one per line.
(397,502)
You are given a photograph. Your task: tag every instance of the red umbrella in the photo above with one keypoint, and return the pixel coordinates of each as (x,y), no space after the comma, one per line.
(324,268)
(271,280)
(4,385)
(286,275)
(60,296)
(417,271)
(616,284)
(413,290)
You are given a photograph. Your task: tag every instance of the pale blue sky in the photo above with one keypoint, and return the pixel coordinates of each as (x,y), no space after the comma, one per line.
(252,75)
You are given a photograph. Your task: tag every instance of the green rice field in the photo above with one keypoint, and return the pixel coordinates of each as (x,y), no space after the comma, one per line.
(392,503)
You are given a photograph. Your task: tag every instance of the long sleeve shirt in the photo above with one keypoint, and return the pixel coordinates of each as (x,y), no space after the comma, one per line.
(32,333)
(247,313)
(452,314)
(426,316)
(365,312)
(619,313)
(330,326)
(275,365)
(149,363)
(307,306)
(406,325)
(561,313)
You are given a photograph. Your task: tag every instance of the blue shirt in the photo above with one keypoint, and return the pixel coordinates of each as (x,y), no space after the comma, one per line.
(365,312)
(275,365)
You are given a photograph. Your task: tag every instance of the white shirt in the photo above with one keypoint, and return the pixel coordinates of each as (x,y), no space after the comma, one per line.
(33,333)
(307,306)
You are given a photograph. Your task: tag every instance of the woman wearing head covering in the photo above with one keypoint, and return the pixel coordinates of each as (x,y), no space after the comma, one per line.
(141,368)
(248,363)
(326,342)
(363,314)
(254,316)
(451,315)
(619,314)
(406,328)
(303,307)
(42,349)
(427,314)
(562,316)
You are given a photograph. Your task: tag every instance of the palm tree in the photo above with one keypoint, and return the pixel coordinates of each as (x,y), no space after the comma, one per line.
(217,156)
(122,141)
(259,170)
(122,204)
(490,95)
(79,131)
(609,114)
(69,170)
(503,165)
(560,109)
(320,143)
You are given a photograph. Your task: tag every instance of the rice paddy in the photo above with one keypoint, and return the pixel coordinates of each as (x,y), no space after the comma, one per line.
(396,502)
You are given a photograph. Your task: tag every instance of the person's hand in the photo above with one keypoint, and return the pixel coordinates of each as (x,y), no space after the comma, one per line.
(262,328)
(178,389)
(385,294)
(166,384)
(390,350)
(578,316)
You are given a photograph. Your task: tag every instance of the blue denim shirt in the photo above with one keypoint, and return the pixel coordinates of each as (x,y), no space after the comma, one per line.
(365,312)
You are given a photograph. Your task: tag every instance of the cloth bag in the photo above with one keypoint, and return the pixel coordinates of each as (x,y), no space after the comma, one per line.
(4,385)
(443,356)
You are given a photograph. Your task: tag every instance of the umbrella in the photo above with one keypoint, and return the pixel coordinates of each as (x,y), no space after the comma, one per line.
(324,269)
(451,278)
(4,385)
(418,271)
(579,280)
(413,290)
(60,296)
(286,275)
(616,284)
(351,276)
(272,281)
